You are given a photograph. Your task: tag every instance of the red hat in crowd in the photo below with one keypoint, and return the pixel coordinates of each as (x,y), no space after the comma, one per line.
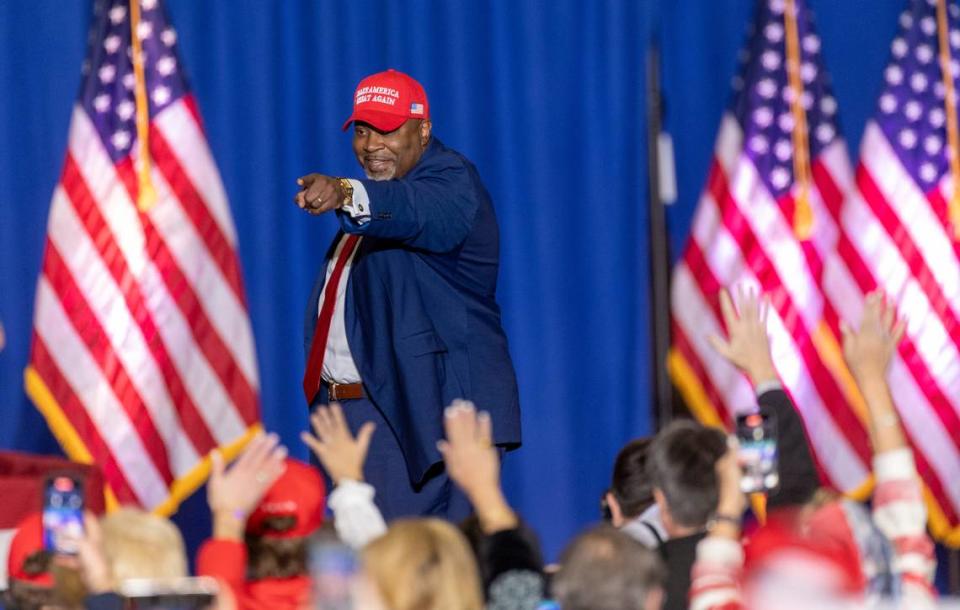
(26,541)
(299,493)
(386,100)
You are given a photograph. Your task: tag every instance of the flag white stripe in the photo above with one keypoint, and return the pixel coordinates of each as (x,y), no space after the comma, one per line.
(93,391)
(126,339)
(225,313)
(190,146)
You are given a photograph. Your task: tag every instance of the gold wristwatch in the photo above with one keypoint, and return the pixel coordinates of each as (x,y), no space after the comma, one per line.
(347,193)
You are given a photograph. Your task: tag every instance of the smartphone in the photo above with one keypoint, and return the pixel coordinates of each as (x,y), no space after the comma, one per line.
(757,436)
(334,568)
(190,593)
(62,513)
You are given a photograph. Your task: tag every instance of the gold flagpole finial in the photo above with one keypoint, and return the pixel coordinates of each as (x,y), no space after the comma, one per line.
(950,103)
(803,213)
(146,195)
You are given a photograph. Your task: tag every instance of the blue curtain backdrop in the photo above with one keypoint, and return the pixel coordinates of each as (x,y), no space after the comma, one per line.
(546,98)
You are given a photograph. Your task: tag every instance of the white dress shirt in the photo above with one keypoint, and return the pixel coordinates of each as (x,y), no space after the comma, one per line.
(338,364)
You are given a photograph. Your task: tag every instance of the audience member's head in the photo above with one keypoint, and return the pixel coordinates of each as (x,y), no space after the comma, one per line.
(138,544)
(681,464)
(630,490)
(30,581)
(277,531)
(424,564)
(604,569)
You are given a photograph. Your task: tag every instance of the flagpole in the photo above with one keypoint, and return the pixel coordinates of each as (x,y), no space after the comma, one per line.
(659,248)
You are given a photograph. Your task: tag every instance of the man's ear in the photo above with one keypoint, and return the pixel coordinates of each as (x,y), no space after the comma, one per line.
(616,513)
(665,515)
(425,127)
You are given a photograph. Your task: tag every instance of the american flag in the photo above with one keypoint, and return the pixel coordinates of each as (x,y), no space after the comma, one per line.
(778,163)
(142,358)
(897,233)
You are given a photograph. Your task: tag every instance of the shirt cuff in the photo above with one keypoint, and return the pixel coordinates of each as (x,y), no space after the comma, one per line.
(722,551)
(767,386)
(359,206)
(348,492)
(894,465)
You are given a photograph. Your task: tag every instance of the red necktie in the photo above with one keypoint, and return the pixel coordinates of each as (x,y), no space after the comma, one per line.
(311,378)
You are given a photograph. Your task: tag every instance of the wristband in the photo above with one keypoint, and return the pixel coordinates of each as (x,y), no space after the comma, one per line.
(719,518)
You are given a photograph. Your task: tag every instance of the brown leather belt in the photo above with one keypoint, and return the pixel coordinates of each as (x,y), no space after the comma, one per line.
(344,391)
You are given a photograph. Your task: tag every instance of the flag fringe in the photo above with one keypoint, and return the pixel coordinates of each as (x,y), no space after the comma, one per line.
(77,450)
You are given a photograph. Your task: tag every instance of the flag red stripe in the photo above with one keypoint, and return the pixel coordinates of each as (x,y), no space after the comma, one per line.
(196,210)
(205,335)
(755,256)
(77,414)
(103,239)
(94,337)
(682,344)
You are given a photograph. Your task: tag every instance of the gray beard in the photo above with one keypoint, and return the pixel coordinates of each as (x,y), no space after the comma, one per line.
(378,178)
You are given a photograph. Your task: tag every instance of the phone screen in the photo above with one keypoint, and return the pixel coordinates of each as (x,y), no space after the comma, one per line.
(757,437)
(62,514)
(334,568)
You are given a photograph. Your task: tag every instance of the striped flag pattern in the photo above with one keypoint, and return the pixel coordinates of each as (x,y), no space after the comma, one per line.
(899,232)
(142,357)
(779,165)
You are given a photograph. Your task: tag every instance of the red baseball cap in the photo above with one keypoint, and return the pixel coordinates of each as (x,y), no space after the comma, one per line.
(26,541)
(387,99)
(299,493)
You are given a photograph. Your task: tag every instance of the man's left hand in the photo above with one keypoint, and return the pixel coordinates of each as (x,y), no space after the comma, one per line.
(319,193)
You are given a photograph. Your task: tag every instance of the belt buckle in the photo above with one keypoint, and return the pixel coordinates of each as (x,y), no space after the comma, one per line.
(332,391)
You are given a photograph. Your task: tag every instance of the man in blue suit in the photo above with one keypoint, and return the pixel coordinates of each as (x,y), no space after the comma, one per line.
(403,319)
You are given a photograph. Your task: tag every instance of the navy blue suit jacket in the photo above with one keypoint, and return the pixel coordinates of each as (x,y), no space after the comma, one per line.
(421,317)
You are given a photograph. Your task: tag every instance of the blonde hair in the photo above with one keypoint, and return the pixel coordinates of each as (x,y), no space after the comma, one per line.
(138,544)
(424,564)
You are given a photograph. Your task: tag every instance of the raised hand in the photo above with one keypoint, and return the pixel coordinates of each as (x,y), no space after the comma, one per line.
(233,494)
(473,463)
(747,345)
(868,352)
(869,349)
(341,455)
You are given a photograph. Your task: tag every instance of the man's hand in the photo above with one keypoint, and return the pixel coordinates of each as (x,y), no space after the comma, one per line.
(233,494)
(319,193)
(473,463)
(341,455)
(868,351)
(748,346)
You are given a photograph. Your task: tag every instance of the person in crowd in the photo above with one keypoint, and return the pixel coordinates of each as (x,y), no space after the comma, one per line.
(423,564)
(128,544)
(629,503)
(403,317)
(605,569)
(683,456)
(510,560)
(264,508)
(30,584)
(831,554)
